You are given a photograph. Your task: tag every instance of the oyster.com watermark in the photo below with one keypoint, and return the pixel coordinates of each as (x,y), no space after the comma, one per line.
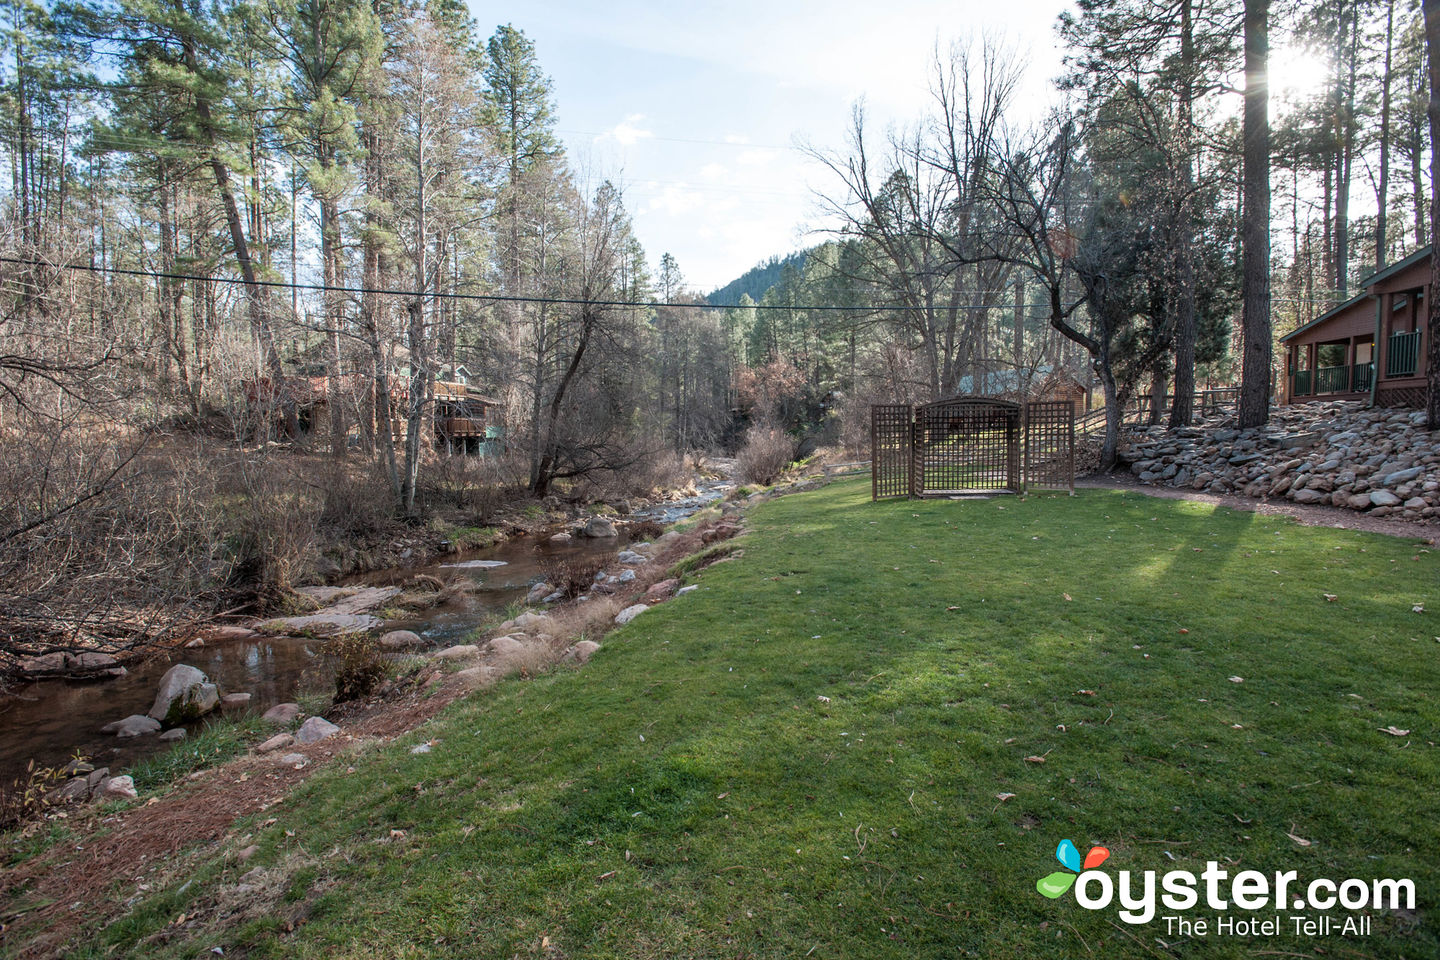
(1216,902)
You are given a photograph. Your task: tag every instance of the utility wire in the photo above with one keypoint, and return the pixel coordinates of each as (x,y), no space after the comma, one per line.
(495,297)
(560,301)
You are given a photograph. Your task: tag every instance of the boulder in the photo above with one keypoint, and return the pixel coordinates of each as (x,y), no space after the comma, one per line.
(277,742)
(401,640)
(282,714)
(690,589)
(660,592)
(315,729)
(178,733)
(631,558)
(118,788)
(539,592)
(92,661)
(505,647)
(1402,476)
(582,651)
(296,760)
(1384,498)
(532,622)
(229,633)
(75,789)
(136,725)
(626,576)
(561,538)
(1310,496)
(462,651)
(630,613)
(599,527)
(77,768)
(49,663)
(1358,501)
(185,694)
(473,678)
(235,701)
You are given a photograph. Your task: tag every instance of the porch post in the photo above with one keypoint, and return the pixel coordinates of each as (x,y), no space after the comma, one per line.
(1375,347)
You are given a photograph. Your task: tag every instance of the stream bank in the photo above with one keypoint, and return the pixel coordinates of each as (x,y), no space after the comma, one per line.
(51,720)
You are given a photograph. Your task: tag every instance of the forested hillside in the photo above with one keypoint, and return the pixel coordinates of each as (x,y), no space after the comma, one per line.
(754,282)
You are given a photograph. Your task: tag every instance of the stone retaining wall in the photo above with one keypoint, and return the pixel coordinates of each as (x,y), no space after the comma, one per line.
(1381,461)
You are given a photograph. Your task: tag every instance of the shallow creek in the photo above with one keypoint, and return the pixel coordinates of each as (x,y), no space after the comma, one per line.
(51,720)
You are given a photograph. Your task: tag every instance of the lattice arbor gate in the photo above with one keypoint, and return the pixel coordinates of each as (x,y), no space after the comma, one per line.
(971,445)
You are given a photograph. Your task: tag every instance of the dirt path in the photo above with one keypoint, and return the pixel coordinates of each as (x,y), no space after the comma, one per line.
(1309,515)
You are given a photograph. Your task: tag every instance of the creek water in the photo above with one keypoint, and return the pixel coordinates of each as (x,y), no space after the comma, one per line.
(50,721)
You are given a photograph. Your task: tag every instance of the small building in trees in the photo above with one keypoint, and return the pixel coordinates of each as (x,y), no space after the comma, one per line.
(462,418)
(1370,348)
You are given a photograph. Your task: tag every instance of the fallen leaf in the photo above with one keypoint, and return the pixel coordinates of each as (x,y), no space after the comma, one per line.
(951,608)
(1066,596)
(1395,731)
(1085,693)
(1237,679)
(1331,598)
(822,698)
(1034,759)
(397,834)
(1183,630)
(1002,797)
(1300,840)
(1418,608)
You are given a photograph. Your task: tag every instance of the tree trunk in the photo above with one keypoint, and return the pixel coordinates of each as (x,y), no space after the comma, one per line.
(1431,9)
(1346,160)
(1382,195)
(331,267)
(1255,221)
(1181,412)
(254,293)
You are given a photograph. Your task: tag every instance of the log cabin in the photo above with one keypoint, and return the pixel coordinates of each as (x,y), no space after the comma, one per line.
(1370,348)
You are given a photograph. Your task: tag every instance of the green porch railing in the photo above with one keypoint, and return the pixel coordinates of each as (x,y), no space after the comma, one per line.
(1301,383)
(1403,357)
(1361,377)
(1332,379)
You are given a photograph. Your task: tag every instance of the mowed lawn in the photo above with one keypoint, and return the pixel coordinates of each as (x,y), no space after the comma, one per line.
(805,758)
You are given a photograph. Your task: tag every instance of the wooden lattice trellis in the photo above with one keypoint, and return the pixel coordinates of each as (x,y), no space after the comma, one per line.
(966,445)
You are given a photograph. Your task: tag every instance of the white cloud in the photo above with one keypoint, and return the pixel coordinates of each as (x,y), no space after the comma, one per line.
(627,132)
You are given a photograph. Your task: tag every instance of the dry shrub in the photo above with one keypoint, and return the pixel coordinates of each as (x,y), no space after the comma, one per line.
(584,621)
(572,576)
(768,450)
(530,659)
(104,535)
(645,473)
(271,536)
(360,667)
(644,530)
(475,485)
(354,505)
(24,798)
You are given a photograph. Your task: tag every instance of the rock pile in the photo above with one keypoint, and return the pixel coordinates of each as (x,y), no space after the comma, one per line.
(1339,453)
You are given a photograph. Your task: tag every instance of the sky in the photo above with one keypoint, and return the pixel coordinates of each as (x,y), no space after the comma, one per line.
(699,110)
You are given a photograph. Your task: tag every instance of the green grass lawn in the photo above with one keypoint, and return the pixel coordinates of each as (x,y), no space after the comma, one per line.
(804,758)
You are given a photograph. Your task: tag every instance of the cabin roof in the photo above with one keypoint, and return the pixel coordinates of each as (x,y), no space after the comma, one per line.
(1327,316)
(1386,273)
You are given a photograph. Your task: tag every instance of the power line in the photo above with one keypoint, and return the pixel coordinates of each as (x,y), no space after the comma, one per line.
(495,297)
(559,301)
